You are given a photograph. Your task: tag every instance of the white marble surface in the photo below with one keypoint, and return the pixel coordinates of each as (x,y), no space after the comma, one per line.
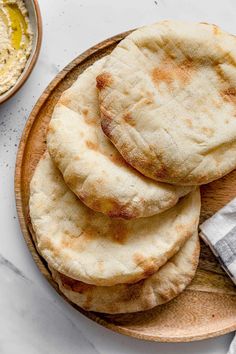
(34,319)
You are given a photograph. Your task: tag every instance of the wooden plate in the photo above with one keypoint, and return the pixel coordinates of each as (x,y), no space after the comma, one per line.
(208,307)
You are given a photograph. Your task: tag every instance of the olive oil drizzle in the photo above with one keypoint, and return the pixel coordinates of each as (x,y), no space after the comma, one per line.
(17,26)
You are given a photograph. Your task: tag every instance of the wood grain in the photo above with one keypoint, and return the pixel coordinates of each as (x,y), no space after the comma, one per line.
(208,307)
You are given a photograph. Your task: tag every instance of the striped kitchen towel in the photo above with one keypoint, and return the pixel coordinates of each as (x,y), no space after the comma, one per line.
(219,233)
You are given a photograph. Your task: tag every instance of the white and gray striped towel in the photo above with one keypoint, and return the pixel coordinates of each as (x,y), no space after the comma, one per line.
(219,233)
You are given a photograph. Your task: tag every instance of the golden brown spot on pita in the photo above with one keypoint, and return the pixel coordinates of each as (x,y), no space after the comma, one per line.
(132,291)
(216,30)
(51,129)
(148,268)
(71,179)
(75,285)
(89,215)
(118,232)
(220,72)
(138,258)
(114,157)
(147,265)
(53,151)
(207,131)
(179,228)
(126,214)
(116,210)
(150,97)
(148,101)
(85,111)
(169,293)
(168,72)
(162,172)
(202,179)
(67,242)
(226,121)
(104,80)
(57,155)
(222,75)
(160,75)
(80,243)
(230,58)
(90,120)
(229,95)
(129,119)
(96,205)
(138,161)
(87,304)
(48,244)
(65,100)
(185,70)
(88,234)
(187,64)
(189,122)
(91,145)
(216,103)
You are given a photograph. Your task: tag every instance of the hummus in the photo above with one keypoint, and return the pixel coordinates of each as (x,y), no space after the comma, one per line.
(15,42)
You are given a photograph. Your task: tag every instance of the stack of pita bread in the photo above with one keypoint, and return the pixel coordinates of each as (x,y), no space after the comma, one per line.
(115,200)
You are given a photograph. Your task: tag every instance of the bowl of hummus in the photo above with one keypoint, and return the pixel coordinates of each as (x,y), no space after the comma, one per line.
(20,42)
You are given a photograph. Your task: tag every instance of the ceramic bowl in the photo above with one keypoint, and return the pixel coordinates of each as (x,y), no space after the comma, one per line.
(36,25)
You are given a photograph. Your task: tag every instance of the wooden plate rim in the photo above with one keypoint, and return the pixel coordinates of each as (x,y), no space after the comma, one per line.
(40,262)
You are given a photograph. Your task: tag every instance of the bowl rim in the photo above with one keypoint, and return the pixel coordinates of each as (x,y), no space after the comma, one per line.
(12,91)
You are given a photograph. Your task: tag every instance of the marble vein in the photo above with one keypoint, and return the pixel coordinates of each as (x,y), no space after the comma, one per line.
(34,322)
(5,262)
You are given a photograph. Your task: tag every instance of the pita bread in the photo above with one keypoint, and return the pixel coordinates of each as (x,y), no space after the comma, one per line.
(90,246)
(92,167)
(168,100)
(170,280)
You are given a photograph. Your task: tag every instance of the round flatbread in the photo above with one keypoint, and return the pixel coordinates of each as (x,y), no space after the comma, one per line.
(169,281)
(168,100)
(91,166)
(96,249)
